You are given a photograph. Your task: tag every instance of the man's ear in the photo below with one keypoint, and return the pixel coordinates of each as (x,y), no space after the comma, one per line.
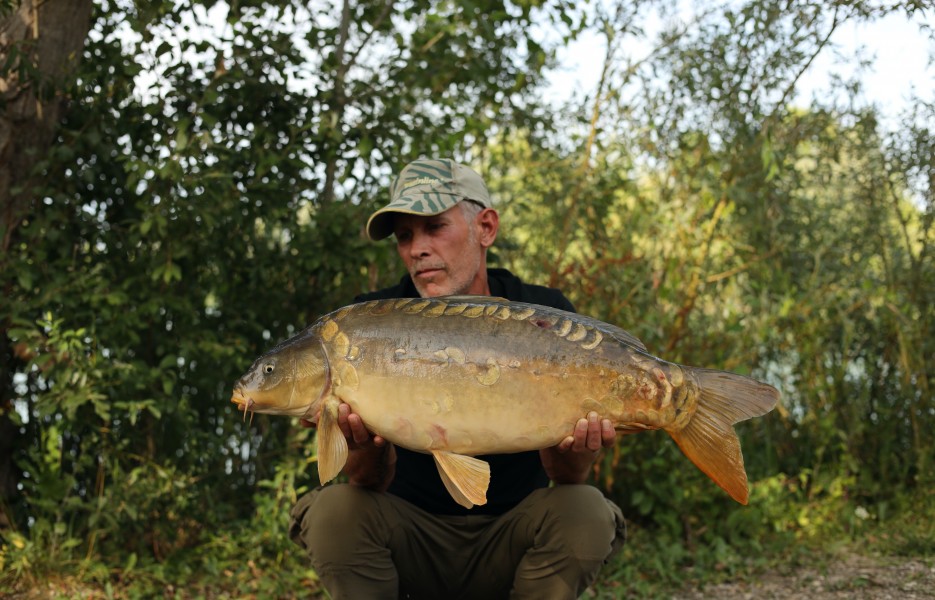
(488,223)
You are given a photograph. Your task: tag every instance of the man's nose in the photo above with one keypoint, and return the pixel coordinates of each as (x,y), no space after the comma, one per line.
(419,246)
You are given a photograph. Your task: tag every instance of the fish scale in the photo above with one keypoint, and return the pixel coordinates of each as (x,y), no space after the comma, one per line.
(457,377)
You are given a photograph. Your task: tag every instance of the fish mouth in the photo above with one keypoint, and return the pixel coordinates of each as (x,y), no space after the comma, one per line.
(246,404)
(243,403)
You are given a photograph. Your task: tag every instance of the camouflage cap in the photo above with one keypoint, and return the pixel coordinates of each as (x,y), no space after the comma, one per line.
(428,187)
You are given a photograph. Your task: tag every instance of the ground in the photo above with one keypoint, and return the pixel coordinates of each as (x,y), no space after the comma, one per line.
(852,576)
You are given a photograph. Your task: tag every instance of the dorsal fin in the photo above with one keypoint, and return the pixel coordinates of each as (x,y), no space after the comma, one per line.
(618,333)
(473,298)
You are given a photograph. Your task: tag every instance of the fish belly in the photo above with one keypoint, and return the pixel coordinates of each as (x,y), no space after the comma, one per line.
(509,416)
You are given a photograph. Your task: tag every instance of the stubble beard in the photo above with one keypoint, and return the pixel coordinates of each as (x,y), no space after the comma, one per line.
(458,283)
(456,286)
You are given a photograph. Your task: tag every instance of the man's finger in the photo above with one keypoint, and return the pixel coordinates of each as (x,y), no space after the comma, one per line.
(594,432)
(608,435)
(581,435)
(344,412)
(359,433)
(565,445)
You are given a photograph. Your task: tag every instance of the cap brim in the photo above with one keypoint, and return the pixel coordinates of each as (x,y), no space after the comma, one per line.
(380,223)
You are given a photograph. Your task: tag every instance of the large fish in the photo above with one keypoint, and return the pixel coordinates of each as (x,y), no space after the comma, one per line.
(457,377)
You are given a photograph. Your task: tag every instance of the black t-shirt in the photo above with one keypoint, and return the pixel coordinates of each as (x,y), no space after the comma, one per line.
(512,476)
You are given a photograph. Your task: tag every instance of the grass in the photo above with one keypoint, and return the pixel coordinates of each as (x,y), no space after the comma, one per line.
(256,561)
(653,564)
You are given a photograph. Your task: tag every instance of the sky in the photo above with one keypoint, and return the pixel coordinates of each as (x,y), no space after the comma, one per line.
(902,62)
(902,59)
(901,51)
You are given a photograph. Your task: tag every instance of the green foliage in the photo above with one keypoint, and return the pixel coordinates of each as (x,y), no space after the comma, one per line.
(205,199)
(727,229)
(179,555)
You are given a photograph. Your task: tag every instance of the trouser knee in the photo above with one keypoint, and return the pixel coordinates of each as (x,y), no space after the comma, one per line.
(325,517)
(587,524)
(345,532)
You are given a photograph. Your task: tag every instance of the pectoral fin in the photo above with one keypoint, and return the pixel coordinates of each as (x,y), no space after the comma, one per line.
(332,447)
(466,478)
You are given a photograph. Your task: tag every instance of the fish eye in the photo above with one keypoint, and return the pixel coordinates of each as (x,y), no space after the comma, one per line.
(268,368)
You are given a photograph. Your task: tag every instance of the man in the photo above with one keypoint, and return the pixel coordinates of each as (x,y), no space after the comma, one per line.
(393,530)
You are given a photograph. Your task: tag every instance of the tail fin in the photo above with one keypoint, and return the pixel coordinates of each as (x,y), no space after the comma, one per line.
(709,440)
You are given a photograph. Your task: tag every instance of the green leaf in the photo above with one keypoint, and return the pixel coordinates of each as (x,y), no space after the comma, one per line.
(181,140)
(163,48)
(24,278)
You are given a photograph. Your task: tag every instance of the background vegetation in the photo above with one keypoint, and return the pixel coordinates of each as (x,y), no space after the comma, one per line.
(188,183)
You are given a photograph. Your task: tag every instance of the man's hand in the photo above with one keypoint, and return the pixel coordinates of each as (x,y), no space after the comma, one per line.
(371,460)
(356,434)
(570,461)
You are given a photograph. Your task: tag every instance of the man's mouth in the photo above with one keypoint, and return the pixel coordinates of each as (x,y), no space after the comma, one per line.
(428,273)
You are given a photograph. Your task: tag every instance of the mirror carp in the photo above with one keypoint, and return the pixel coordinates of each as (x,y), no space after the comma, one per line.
(458,377)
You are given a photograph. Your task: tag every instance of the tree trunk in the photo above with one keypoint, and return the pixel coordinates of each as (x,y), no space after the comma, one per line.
(40,45)
(44,38)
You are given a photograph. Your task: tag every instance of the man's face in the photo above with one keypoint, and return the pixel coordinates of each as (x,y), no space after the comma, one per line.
(443,253)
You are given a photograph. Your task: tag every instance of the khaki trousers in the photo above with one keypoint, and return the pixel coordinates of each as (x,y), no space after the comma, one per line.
(365,545)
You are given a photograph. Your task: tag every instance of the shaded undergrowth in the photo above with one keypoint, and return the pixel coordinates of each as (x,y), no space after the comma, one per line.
(254,558)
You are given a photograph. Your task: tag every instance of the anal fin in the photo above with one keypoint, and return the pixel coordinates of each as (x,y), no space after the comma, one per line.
(466,478)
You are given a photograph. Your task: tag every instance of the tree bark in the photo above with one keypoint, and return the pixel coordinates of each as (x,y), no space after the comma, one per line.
(40,42)
(40,45)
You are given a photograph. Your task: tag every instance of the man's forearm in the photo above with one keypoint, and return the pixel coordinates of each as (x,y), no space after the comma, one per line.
(566,469)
